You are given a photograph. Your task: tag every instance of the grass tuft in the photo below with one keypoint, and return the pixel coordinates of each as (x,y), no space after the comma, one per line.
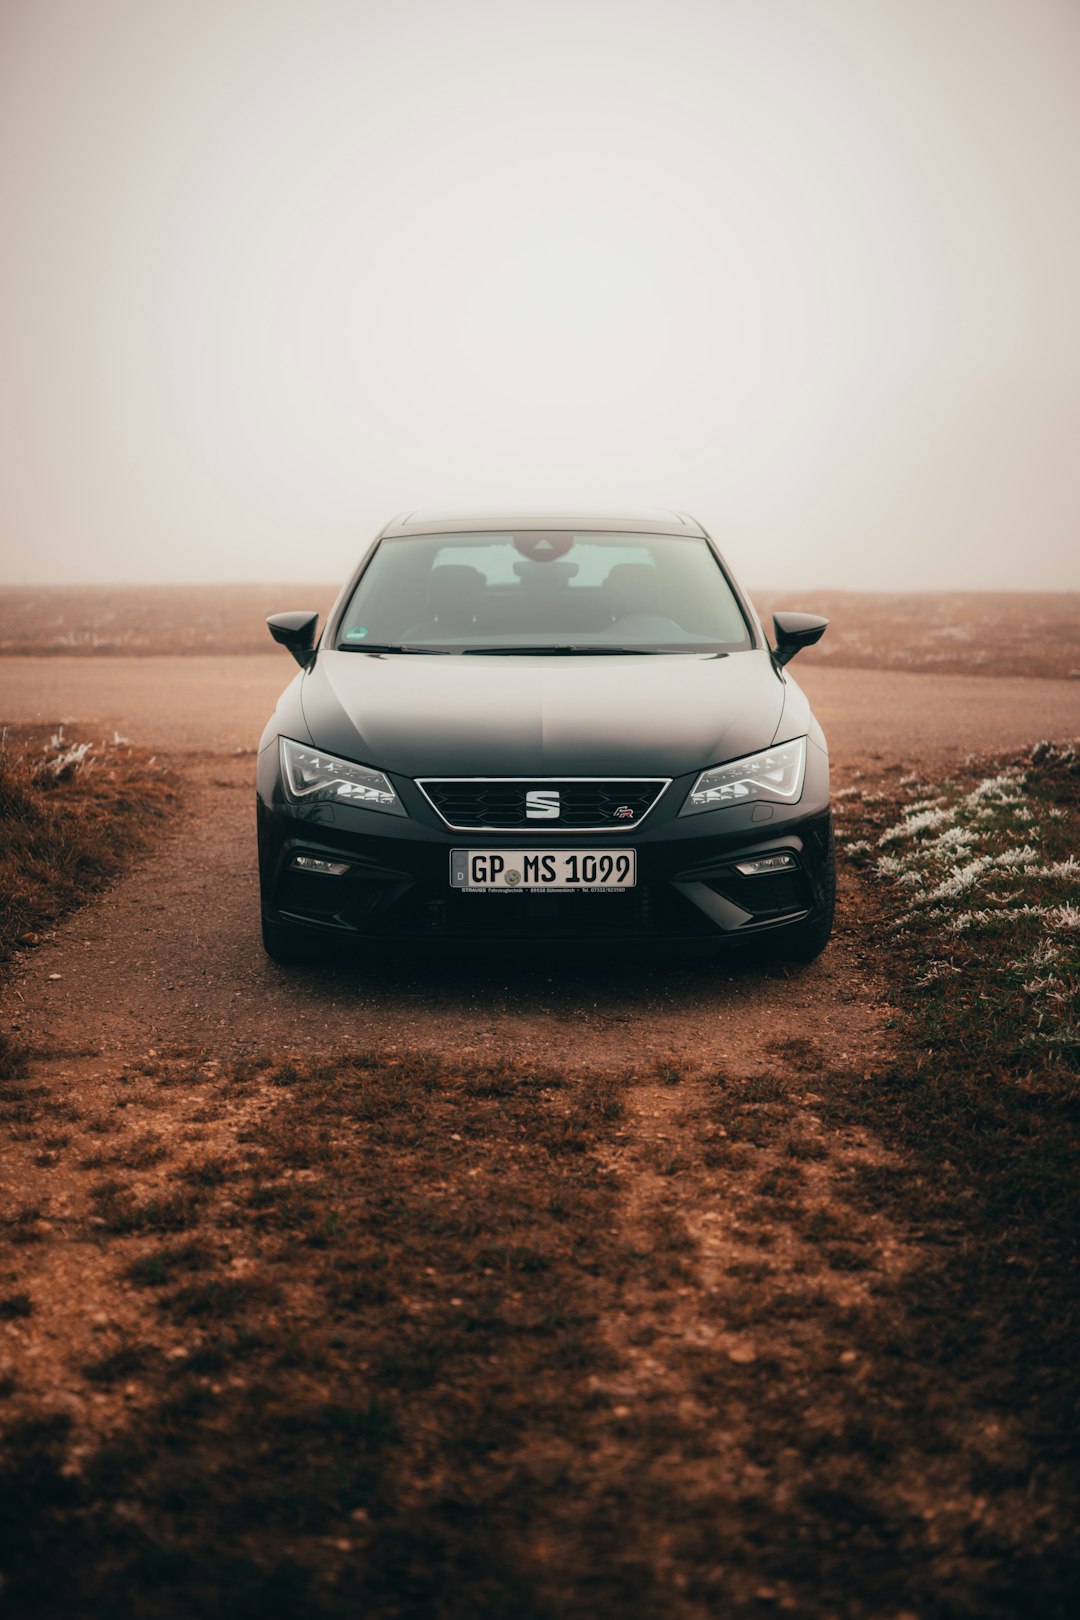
(70,813)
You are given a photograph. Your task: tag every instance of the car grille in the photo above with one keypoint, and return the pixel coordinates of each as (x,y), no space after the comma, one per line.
(484,804)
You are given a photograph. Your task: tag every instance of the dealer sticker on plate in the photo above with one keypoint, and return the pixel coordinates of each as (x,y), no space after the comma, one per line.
(503,871)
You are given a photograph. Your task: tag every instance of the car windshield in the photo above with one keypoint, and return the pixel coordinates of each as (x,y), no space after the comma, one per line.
(551,592)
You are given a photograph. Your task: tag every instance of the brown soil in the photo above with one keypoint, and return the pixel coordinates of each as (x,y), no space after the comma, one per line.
(608,1305)
(415,1338)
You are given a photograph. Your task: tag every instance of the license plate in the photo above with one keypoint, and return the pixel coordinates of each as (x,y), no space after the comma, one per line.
(532,871)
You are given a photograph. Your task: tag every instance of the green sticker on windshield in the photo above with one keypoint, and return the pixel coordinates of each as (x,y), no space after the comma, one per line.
(356,634)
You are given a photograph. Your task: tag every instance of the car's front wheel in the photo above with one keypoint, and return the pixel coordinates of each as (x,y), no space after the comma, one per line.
(806,941)
(289,947)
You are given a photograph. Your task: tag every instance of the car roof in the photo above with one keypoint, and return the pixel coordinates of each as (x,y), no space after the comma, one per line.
(641,521)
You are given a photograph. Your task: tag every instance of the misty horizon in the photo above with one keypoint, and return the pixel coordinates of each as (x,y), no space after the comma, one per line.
(805,270)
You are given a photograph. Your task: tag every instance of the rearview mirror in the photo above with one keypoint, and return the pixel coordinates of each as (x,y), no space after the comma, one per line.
(794,631)
(297,632)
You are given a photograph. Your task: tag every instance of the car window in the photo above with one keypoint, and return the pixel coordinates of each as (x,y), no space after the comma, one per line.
(456,592)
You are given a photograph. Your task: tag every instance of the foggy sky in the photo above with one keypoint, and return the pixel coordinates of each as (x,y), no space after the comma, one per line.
(276,269)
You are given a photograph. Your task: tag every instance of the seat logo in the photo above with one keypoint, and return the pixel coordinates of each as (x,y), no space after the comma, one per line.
(542,804)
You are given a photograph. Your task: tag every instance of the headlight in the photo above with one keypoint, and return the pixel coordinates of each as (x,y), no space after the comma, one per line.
(777,773)
(320,778)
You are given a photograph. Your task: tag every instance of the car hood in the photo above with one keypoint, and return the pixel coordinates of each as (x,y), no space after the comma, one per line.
(519,716)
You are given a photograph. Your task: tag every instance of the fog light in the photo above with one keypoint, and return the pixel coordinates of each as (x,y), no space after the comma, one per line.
(767,863)
(312,863)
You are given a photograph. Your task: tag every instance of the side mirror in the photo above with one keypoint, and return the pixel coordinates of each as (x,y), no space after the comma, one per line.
(794,631)
(297,632)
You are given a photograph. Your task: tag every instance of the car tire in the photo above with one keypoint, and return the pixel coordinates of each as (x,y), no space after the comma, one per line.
(806,941)
(289,947)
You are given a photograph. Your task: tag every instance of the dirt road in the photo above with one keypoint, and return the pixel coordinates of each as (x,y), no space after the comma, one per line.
(216,705)
(171,954)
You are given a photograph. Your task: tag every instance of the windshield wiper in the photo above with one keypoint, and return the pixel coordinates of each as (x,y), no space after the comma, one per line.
(385,647)
(562,649)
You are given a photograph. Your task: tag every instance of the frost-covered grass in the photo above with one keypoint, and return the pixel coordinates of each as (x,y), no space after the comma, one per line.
(982,882)
(971,896)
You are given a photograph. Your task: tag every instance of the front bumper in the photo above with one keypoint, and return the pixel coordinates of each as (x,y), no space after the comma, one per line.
(397,886)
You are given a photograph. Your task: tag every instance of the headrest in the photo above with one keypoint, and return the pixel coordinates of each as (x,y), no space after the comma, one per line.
(454,593)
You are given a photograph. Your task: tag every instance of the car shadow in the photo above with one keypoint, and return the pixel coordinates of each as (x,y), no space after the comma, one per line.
(541,976)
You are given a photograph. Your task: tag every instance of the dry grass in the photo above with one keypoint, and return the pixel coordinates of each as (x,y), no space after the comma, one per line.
(979,632)
(405,1339)
(346,1348)
(978,895)
(70,815)
(106,620)
(943,632)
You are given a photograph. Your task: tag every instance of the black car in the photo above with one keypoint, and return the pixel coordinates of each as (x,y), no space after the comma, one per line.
(544,728)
